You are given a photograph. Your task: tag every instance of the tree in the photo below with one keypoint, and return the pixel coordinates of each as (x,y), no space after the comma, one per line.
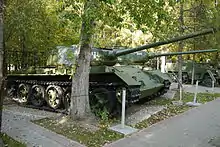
(1,62)
(111,13)
(80,107)
(181,45)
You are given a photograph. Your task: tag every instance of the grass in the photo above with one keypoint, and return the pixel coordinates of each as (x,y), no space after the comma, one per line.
(201,97)
(104,135)
(9,142)
(170,111)
(81,134)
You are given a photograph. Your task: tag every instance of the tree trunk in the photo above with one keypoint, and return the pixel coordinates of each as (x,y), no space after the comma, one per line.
(80,108)
(1,61)
(180,49)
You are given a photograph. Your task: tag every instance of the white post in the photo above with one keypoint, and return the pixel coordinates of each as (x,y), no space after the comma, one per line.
(123,108)
(158,63)
(213,86)
(181,93)
(163,64)
(195,95)
(193,73)
(194,103)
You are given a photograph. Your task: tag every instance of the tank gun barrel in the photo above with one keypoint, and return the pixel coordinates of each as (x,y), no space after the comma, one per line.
(172,40)
(182,53)
(173,54)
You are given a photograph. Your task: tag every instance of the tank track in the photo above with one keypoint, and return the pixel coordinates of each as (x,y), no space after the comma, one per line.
(164,89)
(45,83)
(167,84)
(134,92)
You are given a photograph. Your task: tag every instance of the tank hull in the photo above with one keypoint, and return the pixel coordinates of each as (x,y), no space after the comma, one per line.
(200,72)
(138,85)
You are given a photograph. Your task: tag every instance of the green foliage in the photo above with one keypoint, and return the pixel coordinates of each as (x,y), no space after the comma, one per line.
(199,15)
(9,142)
(37,26)
(29,26)
(69,13)
(43,24)
(153,16)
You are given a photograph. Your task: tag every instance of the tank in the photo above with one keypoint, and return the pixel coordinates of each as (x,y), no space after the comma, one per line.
(201,72)
(166,78)
(34,81)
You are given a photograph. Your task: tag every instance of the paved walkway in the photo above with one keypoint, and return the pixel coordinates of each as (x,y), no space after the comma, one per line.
(16,123)
(191,88)
(194,128)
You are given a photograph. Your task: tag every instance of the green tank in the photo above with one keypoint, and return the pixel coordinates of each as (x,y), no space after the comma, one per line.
(202,72)
(33,84)
(142,57)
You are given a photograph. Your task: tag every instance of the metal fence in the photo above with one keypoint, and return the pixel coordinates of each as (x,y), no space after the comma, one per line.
(20,60)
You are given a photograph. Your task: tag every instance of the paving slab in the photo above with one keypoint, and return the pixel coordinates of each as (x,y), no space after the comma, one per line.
(16,123)
(124,129)
(194,128)
(144,113)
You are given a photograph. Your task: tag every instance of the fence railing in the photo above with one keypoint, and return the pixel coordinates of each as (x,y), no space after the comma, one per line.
(21,60)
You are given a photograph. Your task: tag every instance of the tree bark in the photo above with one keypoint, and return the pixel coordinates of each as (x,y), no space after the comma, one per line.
(1,62)
(80,108)
(180,49)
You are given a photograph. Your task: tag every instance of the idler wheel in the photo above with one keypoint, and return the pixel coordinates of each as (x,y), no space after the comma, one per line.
(23,94)
(37,95)
(54,96)
(11,91)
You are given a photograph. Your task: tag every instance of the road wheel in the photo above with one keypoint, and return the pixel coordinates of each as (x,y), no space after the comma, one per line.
(54,96)
(23,94)
(37,95)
